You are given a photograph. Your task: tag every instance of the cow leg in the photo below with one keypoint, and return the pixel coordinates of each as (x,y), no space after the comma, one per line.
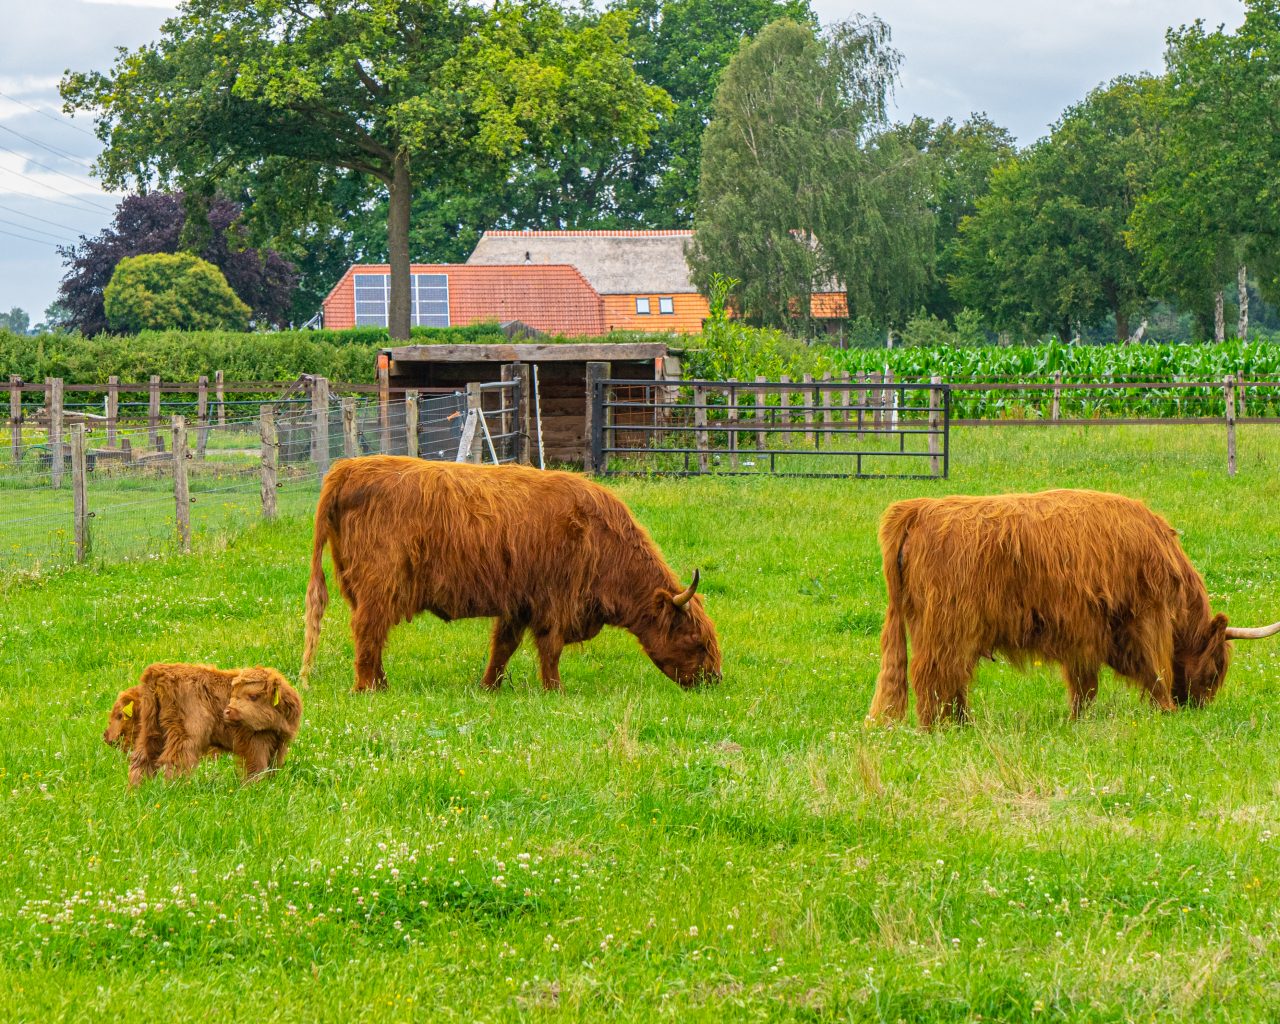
(1082,687)
(182,751)
(370,634)
(549,647)
(941,687)
(254,754)
(507,634)
(1143,652)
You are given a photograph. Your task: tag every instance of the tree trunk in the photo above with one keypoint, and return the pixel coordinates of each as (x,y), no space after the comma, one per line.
(399,199)
(1242,290)
(1064,332)
(1219,319)
(1122,326)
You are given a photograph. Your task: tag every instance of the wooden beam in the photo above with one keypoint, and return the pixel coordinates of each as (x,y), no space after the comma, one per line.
(603,352)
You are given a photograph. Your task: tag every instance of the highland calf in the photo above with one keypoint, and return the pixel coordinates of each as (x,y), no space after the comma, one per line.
(546,552)
(178,713)
(1082,578)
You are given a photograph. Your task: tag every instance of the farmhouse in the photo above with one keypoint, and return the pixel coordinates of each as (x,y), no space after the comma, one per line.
(559,282)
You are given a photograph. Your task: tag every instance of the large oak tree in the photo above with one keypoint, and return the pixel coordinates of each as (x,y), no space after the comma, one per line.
(278,95)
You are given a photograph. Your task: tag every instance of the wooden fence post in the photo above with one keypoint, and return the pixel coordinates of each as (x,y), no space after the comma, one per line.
(1229,385)
(524,413)
(153,413)
(181,490)
(845,394)
(350,429)
(220,394)
(79,492)
(828,402)
(384,404)
(113,409)
(891,400)
(862,401)
(810,396)
(269,460)
(700,422)
(320,424)
(55,431)
(202,416)
(475,417)
(761,404)
(15,418)
(935,425)
(506,374)
(731,422)
(1056,409)
(784,408)
(596,372)
(411,423)
(877,400)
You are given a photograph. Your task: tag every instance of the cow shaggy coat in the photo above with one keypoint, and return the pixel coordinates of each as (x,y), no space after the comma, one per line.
(178,713)
(546,552)
(1082,578)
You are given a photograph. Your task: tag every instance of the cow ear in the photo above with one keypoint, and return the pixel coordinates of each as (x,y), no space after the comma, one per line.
(1219,625)
(275,701)
(127,710)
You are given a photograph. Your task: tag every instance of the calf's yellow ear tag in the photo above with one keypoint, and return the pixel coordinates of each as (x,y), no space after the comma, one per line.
(127,710)
(277,697)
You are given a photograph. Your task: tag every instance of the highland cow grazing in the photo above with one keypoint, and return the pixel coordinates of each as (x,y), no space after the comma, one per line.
(547,552)
(1078,577)
(178,713)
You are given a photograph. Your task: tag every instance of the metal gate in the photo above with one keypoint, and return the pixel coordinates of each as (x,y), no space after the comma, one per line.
(827,428)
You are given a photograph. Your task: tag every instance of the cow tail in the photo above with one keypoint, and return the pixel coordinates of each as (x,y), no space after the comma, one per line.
(890,700)
(317,588)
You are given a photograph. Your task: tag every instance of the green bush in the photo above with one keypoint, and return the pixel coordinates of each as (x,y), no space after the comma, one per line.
(171,291)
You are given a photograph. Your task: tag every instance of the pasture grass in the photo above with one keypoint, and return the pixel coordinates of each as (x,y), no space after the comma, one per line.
(627,850)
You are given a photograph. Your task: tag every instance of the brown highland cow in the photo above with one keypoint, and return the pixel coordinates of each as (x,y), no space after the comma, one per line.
(547,552)
(1078,577)
(178,713)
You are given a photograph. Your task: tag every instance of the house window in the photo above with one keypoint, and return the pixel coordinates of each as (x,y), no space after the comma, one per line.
(642,307)
(667,306)
(428,300)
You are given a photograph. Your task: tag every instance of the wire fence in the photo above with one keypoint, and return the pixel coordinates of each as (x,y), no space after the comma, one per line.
(69,495)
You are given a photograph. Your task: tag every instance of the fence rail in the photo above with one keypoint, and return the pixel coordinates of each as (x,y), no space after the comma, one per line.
(72,489)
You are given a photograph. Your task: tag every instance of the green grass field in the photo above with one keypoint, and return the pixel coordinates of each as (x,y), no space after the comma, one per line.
(630,851)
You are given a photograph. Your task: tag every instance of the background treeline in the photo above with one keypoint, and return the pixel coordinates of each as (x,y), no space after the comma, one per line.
(1148,210)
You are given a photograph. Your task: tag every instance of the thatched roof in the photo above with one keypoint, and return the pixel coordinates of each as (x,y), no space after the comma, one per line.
(614,262)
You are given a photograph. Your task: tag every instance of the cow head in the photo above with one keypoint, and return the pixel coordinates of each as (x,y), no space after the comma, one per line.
(1198,671)
(680,638)
(122,723)
(262,700)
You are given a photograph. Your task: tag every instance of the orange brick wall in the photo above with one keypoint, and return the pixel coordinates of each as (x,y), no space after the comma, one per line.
(690,310)
(340,307)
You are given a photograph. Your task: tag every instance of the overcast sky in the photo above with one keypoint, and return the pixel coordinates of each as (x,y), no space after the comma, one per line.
(1020,61)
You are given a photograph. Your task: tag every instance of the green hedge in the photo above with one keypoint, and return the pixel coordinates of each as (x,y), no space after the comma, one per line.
(349,356)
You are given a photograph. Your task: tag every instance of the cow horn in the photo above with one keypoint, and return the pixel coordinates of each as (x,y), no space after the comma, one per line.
(682,599)
(1255,633)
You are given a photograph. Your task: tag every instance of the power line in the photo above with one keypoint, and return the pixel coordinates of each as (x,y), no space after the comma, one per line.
(51,170)
(42,220)
(66,122)
(45,199)
(44,145)
(37,231)
(38,241)
(61,191)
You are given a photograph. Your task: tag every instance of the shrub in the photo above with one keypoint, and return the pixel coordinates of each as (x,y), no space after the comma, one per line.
(179,291)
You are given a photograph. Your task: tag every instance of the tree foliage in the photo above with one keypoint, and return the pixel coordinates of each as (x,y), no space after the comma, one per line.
(155,223)
(1045,249)
(281,94)
(16,320)
(798,193)
(1212,204)
(163,291)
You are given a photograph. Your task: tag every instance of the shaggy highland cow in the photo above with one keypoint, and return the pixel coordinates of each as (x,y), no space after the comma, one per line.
(547,552)
(1078,577)
(178,713)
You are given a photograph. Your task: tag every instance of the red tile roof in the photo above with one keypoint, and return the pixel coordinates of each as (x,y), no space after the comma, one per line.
(548,297)
(620,233)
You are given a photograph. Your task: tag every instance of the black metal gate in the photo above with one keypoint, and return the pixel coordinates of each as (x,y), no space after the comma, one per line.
(826,428)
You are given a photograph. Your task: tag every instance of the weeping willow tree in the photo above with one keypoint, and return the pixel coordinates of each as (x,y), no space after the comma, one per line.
(801,189)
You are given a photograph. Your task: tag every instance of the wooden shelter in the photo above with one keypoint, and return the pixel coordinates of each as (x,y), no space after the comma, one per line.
(563,400)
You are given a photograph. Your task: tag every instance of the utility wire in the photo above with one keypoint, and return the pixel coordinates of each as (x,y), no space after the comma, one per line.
(35,231)
(65,121)
(52,170)
(52,149)
(54,188)
(42,220)
(38,241)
